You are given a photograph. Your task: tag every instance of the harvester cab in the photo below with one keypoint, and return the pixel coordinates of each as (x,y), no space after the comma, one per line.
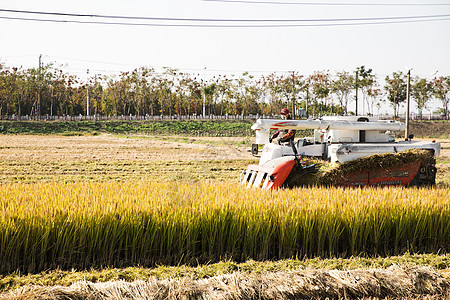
(337,140)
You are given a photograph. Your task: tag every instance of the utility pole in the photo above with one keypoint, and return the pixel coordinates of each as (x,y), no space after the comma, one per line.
(204,93)
(356,88)
(87,94)
(408,86)
(95,95)
(307,102)
(293,94)
(204,102)
(39,88)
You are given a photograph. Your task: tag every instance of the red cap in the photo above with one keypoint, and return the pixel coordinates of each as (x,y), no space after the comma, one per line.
(284,111)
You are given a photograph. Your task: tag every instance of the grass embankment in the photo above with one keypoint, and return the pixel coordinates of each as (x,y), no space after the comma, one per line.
(90,225)
(421,129)
(172,127)
(211,128)
(431,129)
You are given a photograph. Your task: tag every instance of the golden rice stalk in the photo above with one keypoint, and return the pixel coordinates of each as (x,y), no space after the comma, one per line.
(83,225)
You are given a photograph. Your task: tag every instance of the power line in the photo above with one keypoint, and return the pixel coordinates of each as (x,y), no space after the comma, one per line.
(328,3)
(183,69)
(157,69)
(355,21)
(201,19)
(212,72)
(231,26)
(91,61)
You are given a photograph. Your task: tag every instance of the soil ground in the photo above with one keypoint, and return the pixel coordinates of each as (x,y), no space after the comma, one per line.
(105,157)
(37,158)
(116,148)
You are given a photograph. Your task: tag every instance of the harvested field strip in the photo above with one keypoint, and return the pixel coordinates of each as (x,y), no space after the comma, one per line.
(83,225)
(398,282)
(94,170)
(9,282)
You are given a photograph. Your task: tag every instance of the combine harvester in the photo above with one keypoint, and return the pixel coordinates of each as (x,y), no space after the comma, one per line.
(363,146)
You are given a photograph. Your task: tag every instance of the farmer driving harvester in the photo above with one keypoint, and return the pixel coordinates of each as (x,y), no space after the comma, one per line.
(288,135)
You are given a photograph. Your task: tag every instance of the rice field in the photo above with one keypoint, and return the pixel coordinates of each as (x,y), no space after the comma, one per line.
(100,202)
(62,225)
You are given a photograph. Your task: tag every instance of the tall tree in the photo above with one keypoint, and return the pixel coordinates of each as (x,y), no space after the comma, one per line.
(374,94)
(396,90)
(290,87)
(441,90)
(366,82)
(421,93)
(320,85)
(209,91)
(342,87)
(271,91)
(224,93)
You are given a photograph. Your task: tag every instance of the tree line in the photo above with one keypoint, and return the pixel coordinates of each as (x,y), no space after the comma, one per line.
(50,91)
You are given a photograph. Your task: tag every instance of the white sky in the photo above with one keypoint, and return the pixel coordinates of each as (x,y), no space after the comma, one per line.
(423,46)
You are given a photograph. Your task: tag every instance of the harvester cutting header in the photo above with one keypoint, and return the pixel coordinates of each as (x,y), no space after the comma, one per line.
(350,140)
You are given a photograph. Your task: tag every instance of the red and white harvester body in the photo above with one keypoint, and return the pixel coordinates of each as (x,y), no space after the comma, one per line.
(336,139)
